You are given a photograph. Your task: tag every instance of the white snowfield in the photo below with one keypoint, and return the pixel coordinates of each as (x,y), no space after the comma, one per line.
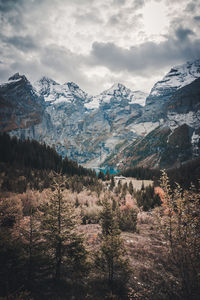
(192,119)
(143,129)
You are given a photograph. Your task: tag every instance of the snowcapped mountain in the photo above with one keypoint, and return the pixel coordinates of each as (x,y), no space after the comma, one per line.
(177,78)
(55,93)
(117,93)
(114,128)
(172,136)
(20,105)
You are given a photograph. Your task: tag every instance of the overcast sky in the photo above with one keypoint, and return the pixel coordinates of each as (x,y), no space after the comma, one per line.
(96,43)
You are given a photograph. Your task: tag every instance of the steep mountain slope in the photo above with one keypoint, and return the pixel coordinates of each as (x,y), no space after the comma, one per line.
(177,78)
(113,128)
(117,92)
(107,124)
(20,106)
(77,129)
(175,141)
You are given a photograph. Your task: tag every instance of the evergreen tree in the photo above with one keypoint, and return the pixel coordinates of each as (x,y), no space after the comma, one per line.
(11,250)
(59,229)
(107,175)
(112,183)
(111,257)
(130,188)
(101,176)
(124,190)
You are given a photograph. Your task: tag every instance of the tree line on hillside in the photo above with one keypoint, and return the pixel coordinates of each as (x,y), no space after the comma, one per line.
(31,154)
(28,164)
(185,175)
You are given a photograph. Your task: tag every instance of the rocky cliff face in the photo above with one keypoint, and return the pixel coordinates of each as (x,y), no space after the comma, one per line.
(177,78)
(20,105)
(114,128)
(82,127)
(175,141)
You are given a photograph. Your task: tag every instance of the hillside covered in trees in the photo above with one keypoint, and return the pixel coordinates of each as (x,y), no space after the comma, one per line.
(66,233)
(185,175)
(26,163)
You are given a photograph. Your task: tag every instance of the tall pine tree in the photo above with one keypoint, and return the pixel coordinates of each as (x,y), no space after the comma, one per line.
(111,259)
(59,225)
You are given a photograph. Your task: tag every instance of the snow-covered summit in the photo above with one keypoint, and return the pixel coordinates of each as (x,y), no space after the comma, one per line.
(55,93)
(118,92)
(178,77)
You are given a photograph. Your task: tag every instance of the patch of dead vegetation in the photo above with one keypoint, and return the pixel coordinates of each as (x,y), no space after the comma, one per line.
(152,276)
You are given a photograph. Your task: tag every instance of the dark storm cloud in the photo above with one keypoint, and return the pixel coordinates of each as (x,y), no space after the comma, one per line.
(148,57)
(11,14)
(9,5)
(183,33)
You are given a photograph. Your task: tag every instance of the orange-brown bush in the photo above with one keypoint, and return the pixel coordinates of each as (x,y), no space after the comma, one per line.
(179,220)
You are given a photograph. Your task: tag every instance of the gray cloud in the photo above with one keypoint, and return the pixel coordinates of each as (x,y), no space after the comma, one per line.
(115,19)
(197,18)
(191,6)
(145,58)
(137,4)
(119,2)
(71,40)
(23,43)
(9,5)
(183,33)
(88,17)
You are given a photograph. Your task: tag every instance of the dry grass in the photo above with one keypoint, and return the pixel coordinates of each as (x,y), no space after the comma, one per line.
(152,274)
(137,184)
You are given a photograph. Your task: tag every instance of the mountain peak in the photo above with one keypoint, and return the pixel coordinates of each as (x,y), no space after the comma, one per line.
(118,86)
(47,80)
(176,78)
(17,76)
(72,85)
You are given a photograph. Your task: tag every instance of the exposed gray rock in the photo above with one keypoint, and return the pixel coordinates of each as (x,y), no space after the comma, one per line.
(96,130)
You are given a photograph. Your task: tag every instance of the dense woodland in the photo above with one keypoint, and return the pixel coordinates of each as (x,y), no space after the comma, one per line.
(25,163)
(31,154)
(66,233)
(186,174)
